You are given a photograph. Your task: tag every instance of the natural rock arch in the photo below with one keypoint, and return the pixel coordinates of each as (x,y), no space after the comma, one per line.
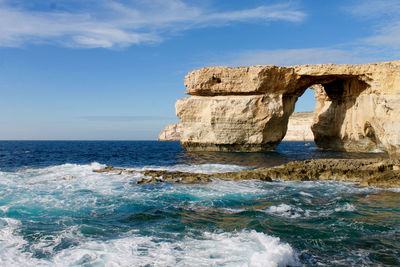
(247,108)
(335,95)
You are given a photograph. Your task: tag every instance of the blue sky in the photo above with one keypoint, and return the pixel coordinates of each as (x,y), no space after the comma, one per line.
(109,69)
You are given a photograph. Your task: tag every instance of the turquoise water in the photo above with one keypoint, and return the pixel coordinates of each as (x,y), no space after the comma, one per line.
(48,218)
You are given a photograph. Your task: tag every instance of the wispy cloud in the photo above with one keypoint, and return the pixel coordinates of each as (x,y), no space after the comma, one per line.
(374,8)
(382,44)
(384,16)
(110,23)
(288,57)
(388,35)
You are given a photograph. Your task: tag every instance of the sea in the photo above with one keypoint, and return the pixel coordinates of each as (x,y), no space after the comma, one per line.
(55,211)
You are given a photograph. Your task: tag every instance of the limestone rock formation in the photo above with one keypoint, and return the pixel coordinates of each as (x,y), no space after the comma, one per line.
(299,127)
(247,108)
(171,132)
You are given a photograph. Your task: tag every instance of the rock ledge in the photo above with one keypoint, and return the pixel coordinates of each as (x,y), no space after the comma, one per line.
(383,173)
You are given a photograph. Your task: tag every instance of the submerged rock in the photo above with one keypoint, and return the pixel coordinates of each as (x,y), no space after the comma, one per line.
(384,173)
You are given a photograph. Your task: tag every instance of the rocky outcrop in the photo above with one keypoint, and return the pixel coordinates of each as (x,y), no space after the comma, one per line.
(299,127)
(384,173)
(247,108)
(171,132)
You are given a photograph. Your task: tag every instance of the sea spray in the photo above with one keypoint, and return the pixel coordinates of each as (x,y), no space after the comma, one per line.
(55,213)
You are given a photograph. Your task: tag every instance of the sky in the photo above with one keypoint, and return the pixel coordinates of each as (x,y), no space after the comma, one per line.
(113,69)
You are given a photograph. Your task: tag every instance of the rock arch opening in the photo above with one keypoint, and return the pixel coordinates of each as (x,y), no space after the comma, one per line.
(299,124)
(335,96)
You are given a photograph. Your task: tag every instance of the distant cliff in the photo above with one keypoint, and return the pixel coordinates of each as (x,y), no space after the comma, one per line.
(171,132)
(299,127)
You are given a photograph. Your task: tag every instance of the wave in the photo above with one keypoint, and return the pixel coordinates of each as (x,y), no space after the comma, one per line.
(294,212)
(200,168)
(249,248)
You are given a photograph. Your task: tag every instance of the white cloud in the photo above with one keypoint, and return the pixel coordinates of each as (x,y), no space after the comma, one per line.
(287,57)
(113,24)
(374,8)
(382,44)
(384,16)
(388,35)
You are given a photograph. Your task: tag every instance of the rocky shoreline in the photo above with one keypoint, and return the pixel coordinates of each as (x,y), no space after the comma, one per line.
(383,173)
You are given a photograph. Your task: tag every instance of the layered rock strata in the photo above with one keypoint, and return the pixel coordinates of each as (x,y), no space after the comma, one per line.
(299,129)
(247,108)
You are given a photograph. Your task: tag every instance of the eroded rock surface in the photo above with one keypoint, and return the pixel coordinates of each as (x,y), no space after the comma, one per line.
(298,129)
(384,173)
(247,108)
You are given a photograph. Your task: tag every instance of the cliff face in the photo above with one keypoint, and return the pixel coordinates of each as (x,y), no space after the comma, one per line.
(247,108)
(299,129)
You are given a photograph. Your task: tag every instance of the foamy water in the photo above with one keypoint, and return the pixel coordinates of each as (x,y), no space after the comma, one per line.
(69,189)
(244,248)
(68,215)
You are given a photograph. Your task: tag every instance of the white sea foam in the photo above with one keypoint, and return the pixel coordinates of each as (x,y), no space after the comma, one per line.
(305,194)
(329,187)
(45,189)
(231,210)
(285,210)
(245,248)
(293,212)
(345,207)
(11,246)
(394,189)
(279,209)
(200,168)
(69,187)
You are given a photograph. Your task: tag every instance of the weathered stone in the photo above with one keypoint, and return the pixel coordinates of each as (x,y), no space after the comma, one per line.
(298,129)
(247,108)
(225,123)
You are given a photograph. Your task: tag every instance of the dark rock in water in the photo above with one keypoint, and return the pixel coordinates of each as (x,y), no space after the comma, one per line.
(106,169)
(383,173)
(173,177)
(190,178)
(366,172)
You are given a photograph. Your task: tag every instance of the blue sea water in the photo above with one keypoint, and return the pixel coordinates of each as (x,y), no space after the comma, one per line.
(55,211)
